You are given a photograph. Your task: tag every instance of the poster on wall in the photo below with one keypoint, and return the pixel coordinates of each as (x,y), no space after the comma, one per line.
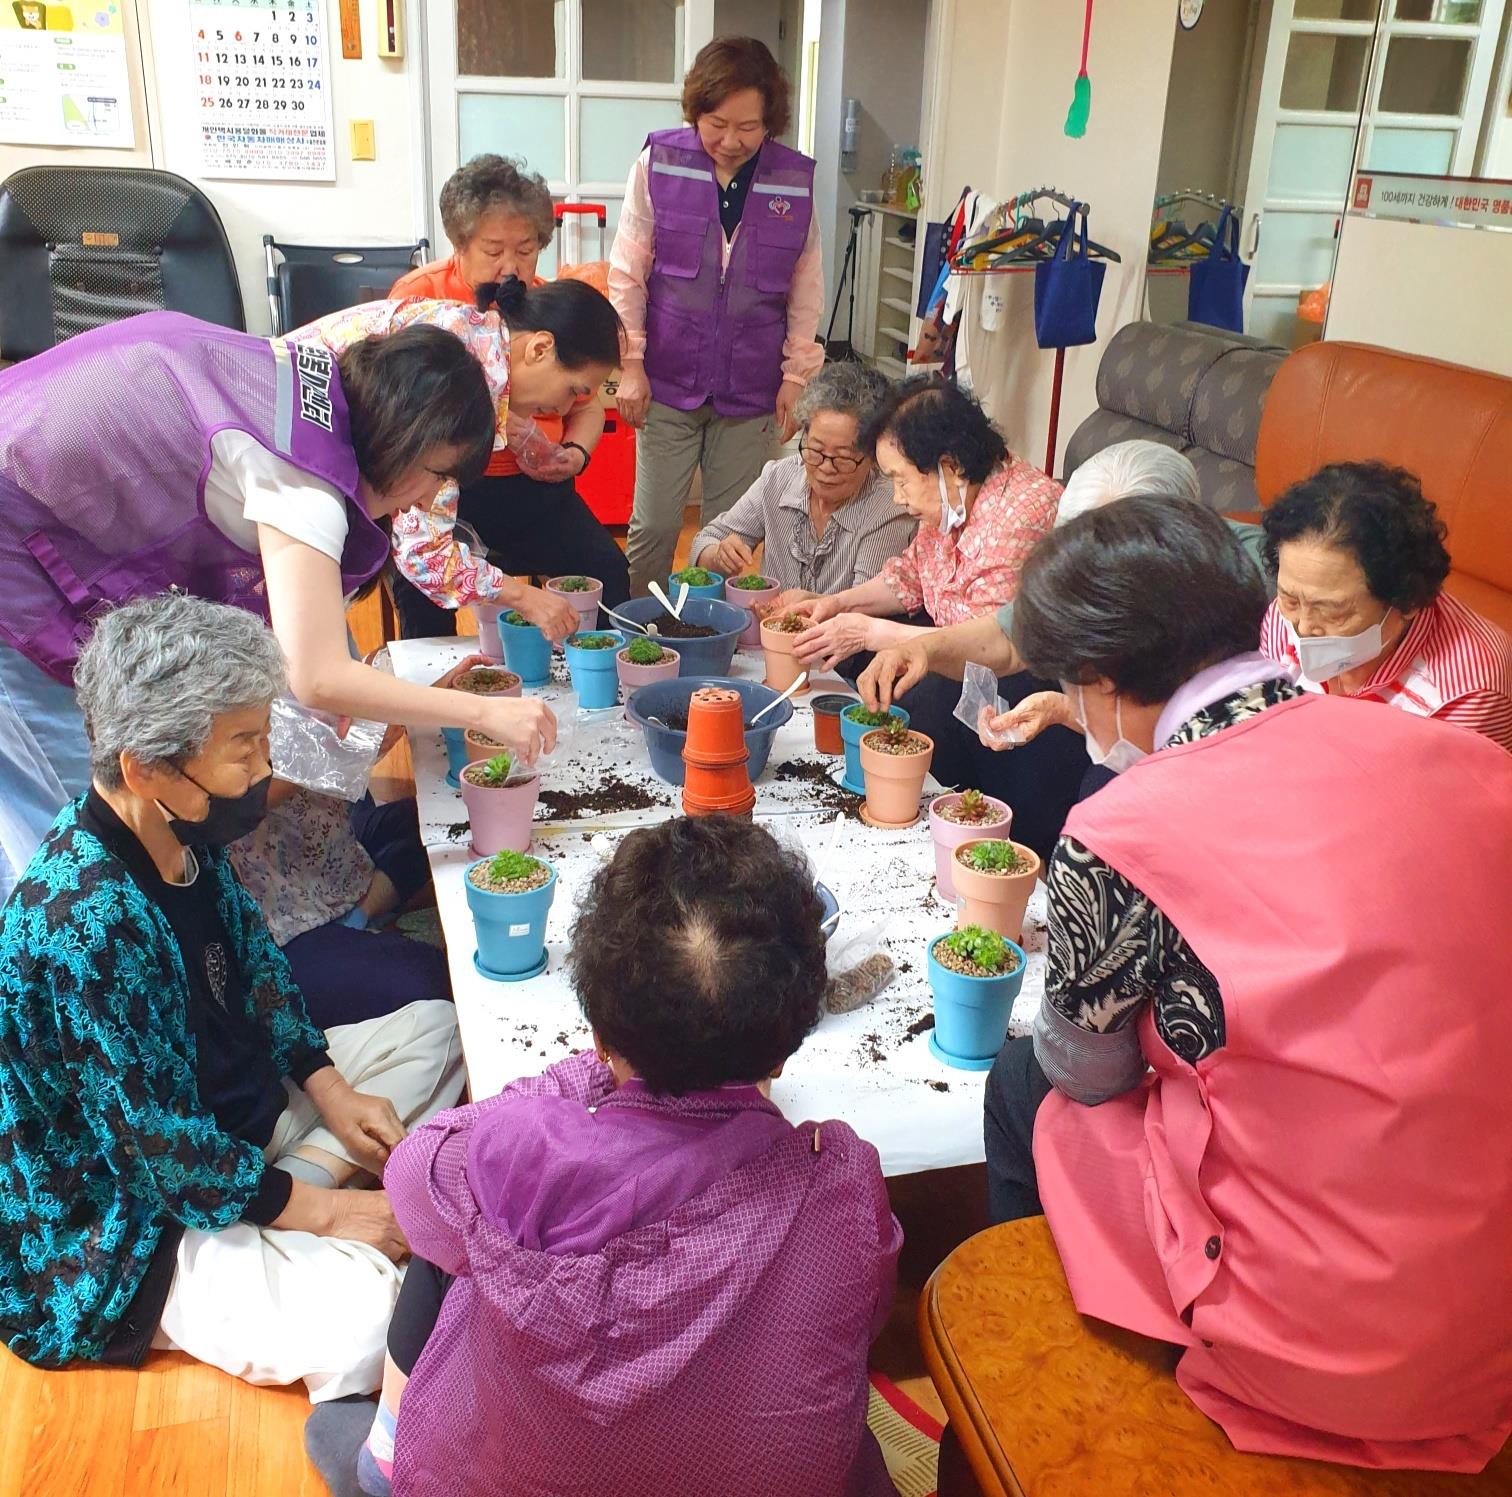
(63,77)
(1464,202)
(263,88)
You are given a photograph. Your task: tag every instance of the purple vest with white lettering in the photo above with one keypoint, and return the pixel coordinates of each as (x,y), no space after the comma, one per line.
(714,330)
(104,450)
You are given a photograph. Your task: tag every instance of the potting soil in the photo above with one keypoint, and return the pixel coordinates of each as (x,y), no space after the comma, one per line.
(482,681)
(608,796)
(678,629)
(910,746)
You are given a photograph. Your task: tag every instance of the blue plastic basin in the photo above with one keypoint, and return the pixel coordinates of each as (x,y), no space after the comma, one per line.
(666,744)
(710,656)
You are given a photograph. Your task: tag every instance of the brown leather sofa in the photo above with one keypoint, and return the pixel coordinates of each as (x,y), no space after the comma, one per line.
(1452,426)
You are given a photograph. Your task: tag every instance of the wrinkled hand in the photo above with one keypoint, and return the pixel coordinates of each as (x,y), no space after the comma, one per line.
(787,400)
(1021,724)
(367,1126)
(787,601)
(826,644)
(895,670)
(366,1216)
(524,725)
(732,557)
(551,613)
(634,395)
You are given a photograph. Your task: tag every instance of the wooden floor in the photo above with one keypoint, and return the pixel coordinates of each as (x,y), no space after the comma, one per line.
(180,1429)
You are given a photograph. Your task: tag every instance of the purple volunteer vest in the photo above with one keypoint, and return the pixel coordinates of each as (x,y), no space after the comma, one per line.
(712,332)
(104,451)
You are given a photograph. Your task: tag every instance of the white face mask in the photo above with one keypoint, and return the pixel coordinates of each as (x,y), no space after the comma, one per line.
(950,517)
(1328,655)
(1123,754)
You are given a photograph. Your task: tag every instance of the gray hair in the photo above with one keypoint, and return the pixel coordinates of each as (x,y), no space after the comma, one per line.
(1124,470)
(491,182)
(848,389)
(156,674)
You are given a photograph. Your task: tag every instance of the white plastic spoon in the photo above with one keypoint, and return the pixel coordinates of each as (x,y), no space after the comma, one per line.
(620,618)
(802,677)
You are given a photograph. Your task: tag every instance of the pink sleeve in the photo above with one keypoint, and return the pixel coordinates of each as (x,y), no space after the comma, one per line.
(901,574)
(802,355)
(630,259)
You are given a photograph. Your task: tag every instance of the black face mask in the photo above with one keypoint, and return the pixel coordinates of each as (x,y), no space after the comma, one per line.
(230,818)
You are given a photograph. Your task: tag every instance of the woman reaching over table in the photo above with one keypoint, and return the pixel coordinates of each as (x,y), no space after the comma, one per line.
(624,1262)
(540,348)
(162,452)
(1292,909)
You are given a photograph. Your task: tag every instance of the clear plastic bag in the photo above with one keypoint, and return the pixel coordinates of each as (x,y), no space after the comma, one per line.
(980,703)
(535,452)
(306,750)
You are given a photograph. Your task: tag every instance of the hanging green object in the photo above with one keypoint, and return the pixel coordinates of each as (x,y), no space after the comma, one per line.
(1081,97)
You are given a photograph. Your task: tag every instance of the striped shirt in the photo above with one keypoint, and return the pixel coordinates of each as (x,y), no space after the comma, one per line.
(976,570)
(857,542)
(1450,664)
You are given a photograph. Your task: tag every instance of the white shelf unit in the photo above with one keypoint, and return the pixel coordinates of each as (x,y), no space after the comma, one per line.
(886,288)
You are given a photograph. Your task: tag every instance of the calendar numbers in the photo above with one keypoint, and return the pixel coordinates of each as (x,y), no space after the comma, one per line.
(264,100)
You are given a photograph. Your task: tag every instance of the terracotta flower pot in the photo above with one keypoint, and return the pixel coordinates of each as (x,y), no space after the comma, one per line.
(500,815)
(782,666)
(750,598)
(481,746)
(995,901)
(632,676)
(458,750)
(717,778)
(586,603)
(827,710)
(949,835)
(488,630)
(894,782)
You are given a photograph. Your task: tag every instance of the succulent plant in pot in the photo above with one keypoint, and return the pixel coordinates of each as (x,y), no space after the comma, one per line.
(777,636)
(751,593)
(994,878)
(591,659)
(510,897)
(526,649)
(584,593)
(856,721)
(643,660)
(481,680)
(702,583)
(960,817)
(976,974)
(894,764)
(500,803)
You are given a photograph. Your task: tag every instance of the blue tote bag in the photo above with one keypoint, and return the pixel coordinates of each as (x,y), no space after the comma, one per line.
(1067,289)
(1215,296)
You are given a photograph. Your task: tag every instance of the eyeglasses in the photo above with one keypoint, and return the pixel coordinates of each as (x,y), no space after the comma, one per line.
(840,462)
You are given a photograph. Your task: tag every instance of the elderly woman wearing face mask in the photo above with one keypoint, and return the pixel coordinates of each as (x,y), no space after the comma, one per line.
(1360,609)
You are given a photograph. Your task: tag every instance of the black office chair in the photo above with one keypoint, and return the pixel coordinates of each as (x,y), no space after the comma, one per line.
(305,281)
(81,246)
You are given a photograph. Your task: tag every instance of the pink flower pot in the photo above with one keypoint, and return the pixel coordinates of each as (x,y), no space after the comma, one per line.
(750,598)
(488,630)
(500,816)
(586,603)
(949,835)
(632,676)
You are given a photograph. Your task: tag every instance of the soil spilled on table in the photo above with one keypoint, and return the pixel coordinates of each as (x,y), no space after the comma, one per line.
(938,1086)
(828,795)
(609,795)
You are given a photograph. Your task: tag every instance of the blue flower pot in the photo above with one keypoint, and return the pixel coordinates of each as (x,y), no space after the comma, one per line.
(665,745)
(851,734)
(456,755)
(510,929)
(594,676)
(971,1013)
(527,652)
(710,656)
(714,589)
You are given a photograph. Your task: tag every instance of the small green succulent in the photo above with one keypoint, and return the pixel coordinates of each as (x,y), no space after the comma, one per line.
(504,867)
(572,585)
(643,651)
(494,772)
(594,642)
(518,619)
(751,584)
(895,731)
(997,856)
(984,947)
(695,577)
(869,719)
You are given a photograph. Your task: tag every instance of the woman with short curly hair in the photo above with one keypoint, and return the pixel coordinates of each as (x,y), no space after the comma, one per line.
(624,1262)
(1360,565)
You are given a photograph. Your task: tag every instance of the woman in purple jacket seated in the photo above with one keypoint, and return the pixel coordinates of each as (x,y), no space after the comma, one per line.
(632,1274)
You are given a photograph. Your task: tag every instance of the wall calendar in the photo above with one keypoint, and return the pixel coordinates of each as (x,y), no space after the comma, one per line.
(263,87)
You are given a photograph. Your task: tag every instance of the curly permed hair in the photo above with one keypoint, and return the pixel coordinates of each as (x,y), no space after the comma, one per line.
(929,418)
(1379,515)
(697,953)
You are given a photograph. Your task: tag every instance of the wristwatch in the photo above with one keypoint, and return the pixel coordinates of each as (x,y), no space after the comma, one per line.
(587,456)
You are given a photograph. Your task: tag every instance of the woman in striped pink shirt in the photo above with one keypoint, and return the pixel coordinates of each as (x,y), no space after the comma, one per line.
(1360,610)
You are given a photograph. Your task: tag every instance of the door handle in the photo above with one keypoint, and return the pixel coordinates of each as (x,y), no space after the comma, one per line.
(1254,248)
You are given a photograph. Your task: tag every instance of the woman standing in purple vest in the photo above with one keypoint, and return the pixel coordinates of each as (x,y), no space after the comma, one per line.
(717,274)
(163,452)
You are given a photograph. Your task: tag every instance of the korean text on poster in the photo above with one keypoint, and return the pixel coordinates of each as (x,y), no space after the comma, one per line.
(63,75)
(264,90)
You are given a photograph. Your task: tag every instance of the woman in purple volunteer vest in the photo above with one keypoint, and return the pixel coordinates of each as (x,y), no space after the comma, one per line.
(717,274)
(163,452)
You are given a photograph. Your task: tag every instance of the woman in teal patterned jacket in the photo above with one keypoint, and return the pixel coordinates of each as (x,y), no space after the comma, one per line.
(173,1129)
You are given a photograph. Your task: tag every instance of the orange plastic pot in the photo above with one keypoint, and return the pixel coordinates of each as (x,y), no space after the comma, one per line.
(995,901)
(782,666)
(718,792)
(894,782)
(716,728)
(827,710)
